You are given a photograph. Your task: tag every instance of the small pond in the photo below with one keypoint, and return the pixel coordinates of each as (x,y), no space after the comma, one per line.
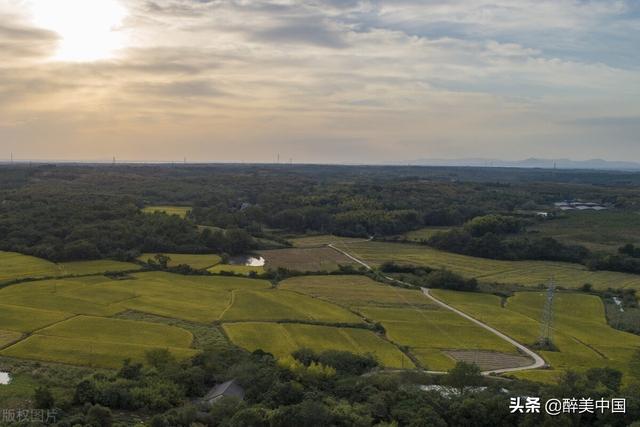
(5,379)
(248,260)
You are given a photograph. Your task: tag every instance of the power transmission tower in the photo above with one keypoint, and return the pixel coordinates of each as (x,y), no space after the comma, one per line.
(547,317)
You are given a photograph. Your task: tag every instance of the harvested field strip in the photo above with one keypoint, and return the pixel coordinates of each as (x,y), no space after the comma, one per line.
(488,360)
(322,240)
(309,259)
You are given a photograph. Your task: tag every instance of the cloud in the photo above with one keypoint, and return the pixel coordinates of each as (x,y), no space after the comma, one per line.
(18,42)
(178,89)
(307,31)
(398,79)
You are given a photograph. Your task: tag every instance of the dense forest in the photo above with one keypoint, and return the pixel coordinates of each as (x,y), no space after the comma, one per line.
(71,212)
(326,389)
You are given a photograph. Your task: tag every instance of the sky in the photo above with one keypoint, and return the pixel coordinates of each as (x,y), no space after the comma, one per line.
(319,81)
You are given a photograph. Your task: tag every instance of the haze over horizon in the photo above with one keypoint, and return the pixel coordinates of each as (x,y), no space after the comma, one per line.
(319,81)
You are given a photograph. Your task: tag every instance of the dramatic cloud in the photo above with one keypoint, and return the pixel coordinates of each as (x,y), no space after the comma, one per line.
(320,80)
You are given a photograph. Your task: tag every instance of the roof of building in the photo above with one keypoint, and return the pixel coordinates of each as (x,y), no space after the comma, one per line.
(227,389)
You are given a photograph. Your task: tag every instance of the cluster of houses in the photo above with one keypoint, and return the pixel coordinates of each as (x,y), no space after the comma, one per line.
(579,206)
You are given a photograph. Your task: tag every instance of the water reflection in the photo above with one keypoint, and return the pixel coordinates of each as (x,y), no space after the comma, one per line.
(249,261)
(5,379)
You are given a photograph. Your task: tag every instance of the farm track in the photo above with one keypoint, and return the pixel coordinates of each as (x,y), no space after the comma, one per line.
(538,361)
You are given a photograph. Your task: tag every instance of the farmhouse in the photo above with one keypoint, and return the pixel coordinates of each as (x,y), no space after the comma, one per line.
(228,389)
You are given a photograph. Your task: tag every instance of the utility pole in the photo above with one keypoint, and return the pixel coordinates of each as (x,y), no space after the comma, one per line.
(546,329)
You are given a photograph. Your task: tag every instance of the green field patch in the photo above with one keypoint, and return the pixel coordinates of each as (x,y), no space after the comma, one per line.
(26,319)
(528,273)
(354,290)
(580,331)
(236,269)
(105,330)
(85,352)
(19,392)
(283,339)
(425,233)
(599,231)
(17,266)
(181,211)
(284,305)
(195,261)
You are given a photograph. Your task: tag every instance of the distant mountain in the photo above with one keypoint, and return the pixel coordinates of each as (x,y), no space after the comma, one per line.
(598,164)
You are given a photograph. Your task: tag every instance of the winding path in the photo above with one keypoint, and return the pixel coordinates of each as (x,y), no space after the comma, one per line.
(538,361)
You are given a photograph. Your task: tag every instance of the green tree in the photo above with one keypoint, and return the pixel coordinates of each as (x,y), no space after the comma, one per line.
(464,375)
(634,365)
(99,416)
(43,398)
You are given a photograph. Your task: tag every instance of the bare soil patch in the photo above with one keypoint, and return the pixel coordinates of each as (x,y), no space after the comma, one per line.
(489,360)
(305,259)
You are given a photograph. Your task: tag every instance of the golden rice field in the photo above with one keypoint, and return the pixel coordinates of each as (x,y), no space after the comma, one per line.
(275,304)
(581,333)
(70,319)
(15,266)
(409,318)
(283,339)
(527,273)
(100,342)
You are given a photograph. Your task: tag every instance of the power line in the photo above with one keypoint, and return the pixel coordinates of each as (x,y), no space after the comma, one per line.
(546,328)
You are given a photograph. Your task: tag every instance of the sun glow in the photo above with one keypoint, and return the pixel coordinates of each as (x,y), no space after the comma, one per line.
(89,30)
